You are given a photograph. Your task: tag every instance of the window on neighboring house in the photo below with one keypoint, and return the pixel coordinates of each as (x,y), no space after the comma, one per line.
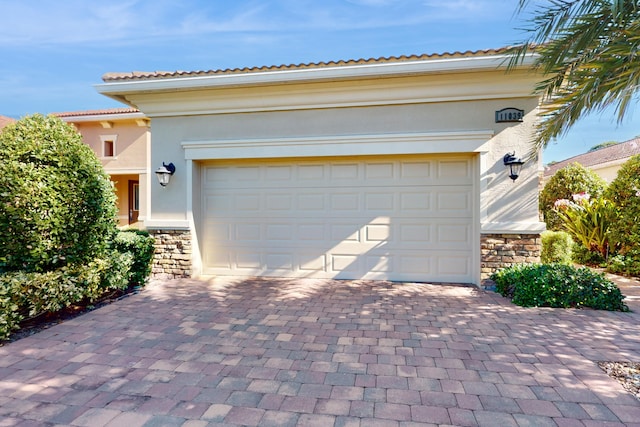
(108,148)
(108,145)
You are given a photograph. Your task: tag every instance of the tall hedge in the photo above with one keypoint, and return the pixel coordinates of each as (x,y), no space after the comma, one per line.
(570,180)
(624,191)
(57,205)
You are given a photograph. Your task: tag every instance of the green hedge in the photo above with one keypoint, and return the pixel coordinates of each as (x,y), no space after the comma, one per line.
(556,247)
(558,285)
(141,246)
(26,294)
(57,204)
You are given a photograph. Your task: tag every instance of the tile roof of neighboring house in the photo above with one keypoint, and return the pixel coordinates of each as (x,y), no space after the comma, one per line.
(4,120)
(156,75)
(612,153)
(124,110)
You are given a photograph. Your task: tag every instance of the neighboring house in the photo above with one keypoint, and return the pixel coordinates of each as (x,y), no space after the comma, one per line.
(120,138)
(605,161)
(388,168)
(4,120)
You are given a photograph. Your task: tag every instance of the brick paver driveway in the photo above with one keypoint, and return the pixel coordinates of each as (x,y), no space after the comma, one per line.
(325,353)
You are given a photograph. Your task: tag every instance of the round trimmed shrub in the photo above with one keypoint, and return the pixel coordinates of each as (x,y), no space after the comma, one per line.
(57,205)
(570,180)
(556,247)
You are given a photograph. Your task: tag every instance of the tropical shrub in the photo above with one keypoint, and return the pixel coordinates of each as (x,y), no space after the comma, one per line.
(588,220)
(624,191)
(556,247)
(582,255)
(558,285)
(57,205)
(570,180)
(140,245)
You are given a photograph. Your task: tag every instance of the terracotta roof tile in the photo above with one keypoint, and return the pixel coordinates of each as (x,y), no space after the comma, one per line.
(124,110)
(4,120)
(619,151)
(156,75)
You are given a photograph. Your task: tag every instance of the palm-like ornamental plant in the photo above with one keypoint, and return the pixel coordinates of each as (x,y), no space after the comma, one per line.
(589,53)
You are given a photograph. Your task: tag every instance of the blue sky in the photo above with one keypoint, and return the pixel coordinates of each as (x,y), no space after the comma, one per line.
(52,52)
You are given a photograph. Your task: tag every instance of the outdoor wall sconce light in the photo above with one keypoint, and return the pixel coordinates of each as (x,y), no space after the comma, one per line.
(514,165)
(164,173)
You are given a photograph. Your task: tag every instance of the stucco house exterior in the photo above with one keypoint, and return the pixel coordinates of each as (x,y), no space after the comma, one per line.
(386,168)
(120,137)
(606,161)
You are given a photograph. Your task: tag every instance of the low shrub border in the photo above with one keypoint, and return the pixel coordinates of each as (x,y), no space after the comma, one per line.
(558,285)
(25,295)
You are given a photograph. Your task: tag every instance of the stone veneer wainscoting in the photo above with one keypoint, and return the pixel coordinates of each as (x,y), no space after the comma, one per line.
(503,250)
(172,258)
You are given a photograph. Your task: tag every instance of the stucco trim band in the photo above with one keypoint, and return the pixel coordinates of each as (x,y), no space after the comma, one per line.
(341,145)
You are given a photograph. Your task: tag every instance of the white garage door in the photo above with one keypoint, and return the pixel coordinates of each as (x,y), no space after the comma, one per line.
(396,218)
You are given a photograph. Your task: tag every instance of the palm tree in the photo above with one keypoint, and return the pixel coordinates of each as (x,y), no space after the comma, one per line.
(589,54)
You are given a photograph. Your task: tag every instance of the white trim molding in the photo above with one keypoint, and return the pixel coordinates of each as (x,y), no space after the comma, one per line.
(340,145)
(512,227)
(167,224)
(109,138)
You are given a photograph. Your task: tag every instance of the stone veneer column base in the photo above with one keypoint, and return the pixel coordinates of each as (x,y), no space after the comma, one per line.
(172,258)
(504,250)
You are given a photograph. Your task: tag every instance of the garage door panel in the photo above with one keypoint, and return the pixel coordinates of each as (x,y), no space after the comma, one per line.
(278,201)
(279,261)
(279,232)
(345,232)
(454,202)
(312,262)
(248,260)
(392,218)
(246,202)
(341,202)
(380,201)
(415,169)
(311,202)
(376,233)
(380,264)
(379,170)
(312,232)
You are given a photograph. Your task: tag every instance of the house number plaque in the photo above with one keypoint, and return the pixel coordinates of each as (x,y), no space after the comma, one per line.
(509,115)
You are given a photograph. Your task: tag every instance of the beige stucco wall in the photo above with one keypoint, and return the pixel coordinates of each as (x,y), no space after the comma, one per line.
(503,201)
(130,143)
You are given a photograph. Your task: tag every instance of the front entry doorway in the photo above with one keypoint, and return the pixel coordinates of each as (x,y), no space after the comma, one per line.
(134,201)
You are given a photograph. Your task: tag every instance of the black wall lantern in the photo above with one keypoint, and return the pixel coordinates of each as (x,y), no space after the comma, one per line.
(164,173)
(514,165)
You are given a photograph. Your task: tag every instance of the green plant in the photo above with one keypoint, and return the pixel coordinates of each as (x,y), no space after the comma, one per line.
(556,247)
(624,191)
(570,180)
(558,285)
(10,314)
(588,220)
(28,293)
(582,255)
(140,245)
(57,205)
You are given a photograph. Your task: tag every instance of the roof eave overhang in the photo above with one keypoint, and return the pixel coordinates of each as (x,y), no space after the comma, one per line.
(120,88)
(102,117)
